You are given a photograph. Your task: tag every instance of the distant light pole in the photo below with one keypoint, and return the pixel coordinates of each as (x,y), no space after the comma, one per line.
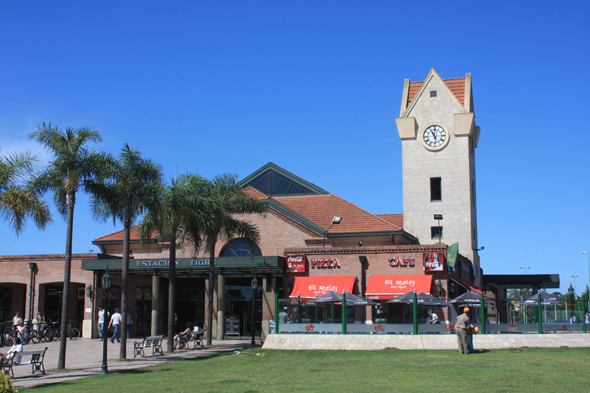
(254,287)
(574,276)
(107,281)
(525,269)
(588,253)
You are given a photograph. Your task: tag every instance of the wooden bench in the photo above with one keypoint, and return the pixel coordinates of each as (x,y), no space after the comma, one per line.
(194,337)
(153,342)
(35,359)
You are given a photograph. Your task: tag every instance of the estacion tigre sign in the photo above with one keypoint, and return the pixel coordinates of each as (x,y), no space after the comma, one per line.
(165,263)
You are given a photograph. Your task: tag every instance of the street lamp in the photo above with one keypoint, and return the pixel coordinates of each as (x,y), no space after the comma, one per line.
(254,287)
(107,281)
(525,269)
(588,253)
(574,276)
(571,291)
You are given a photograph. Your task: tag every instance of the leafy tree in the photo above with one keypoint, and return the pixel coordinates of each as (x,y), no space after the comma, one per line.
(130,191)
(177,216)
(225,200)
(74,167)
(18,202)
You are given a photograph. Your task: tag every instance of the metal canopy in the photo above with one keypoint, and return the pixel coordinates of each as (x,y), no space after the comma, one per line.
(194,267)
(521,280)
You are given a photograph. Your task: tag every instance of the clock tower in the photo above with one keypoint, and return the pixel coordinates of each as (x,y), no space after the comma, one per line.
(439,137)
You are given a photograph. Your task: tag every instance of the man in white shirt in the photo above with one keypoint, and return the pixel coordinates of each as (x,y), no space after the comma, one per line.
(14,352)
(101,314)
(116,322)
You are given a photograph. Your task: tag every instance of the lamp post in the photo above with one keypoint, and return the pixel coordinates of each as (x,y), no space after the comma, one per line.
(335,221)
(574,276)
(588,253)
(107,281)
(525,269)
(254,287)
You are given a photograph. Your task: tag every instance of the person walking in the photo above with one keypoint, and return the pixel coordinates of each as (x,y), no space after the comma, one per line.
(101,315)
(116,323)
(461,329)
(129,321)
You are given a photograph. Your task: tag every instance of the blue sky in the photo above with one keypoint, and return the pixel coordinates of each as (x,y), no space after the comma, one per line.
(315,87)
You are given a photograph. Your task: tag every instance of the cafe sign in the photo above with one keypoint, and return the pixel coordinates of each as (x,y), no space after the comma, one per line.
(296,263)
(402,262)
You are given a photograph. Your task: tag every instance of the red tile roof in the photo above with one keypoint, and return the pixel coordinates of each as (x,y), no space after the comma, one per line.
(395,219)
(133,235)
(254,193)
(457,87)
(321,209)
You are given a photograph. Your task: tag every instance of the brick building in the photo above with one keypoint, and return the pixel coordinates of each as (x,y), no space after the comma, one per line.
(310,238)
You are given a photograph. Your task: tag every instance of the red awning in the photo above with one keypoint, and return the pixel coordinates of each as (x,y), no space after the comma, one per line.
(390,287)
(310,287)
(466,284)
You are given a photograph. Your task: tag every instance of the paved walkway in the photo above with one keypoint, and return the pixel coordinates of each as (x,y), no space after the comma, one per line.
(84,358)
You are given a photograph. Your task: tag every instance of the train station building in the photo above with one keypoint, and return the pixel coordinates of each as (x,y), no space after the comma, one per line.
(311,240)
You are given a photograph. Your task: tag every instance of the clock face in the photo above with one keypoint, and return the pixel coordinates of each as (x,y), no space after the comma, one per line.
(435,137)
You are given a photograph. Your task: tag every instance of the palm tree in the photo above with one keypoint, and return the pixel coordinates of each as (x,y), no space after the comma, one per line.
(178,216)
(226,199)
(130,192)
(73,167)
(17,202)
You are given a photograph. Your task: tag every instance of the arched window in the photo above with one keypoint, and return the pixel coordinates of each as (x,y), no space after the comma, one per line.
(239,248)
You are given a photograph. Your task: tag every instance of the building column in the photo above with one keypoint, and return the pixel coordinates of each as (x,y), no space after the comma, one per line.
(155,304)
(220,306)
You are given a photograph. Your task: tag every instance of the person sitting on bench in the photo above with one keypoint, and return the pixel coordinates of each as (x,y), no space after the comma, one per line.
(14,352)
(188,330)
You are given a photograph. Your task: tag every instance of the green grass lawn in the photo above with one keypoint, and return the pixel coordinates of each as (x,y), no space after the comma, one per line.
(526,370)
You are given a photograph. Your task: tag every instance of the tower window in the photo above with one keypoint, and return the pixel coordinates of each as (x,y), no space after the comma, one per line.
(432,93)
(436,232)
(435,189)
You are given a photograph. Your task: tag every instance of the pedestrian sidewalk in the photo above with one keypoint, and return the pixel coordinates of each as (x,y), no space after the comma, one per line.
(84,358)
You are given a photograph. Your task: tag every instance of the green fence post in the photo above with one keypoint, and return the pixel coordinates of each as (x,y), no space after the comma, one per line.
(540,314)
(583,317)
(298,307)
(343,312)
(415,313)
(277,313)
(483,314)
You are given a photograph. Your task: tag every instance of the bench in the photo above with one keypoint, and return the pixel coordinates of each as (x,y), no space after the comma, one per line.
(35,360)
(195,337)
(153,342)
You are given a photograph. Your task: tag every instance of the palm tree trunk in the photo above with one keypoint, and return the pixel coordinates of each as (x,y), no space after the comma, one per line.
(125,285)
(70,202)
(210,292)
(171,291)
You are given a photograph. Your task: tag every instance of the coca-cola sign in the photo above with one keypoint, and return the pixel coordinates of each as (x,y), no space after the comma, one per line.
(402,262)
(325,263)
(433,261)
(296,263)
